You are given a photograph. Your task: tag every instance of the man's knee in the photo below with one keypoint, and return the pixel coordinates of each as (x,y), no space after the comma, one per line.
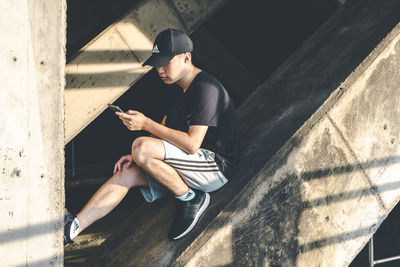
(140,150)
(146,148)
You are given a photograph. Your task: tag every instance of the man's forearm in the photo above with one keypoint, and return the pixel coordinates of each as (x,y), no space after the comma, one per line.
(180,139)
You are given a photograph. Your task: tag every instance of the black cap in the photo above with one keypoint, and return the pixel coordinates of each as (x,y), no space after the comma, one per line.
(168,44)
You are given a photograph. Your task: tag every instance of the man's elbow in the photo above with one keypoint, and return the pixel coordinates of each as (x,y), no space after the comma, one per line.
(193,149)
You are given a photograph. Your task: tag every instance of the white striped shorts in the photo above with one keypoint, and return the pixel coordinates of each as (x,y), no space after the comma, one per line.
(198,171)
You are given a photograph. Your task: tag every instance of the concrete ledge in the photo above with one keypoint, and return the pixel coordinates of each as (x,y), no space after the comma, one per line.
(312,181)
(111,63)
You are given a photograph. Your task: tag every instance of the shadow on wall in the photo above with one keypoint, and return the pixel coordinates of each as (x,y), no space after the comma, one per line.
(52,261)
(32,231)
(270,233)
(28,232)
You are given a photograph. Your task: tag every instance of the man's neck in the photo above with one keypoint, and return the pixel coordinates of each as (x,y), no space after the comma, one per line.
(188,77)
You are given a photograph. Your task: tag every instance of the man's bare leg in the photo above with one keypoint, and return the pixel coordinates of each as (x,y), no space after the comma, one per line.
(109,195)
(148,153)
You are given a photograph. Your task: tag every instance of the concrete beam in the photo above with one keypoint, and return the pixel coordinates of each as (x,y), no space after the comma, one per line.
(32,61)
(330,187)
(319,200)
(111,63)
(315,197)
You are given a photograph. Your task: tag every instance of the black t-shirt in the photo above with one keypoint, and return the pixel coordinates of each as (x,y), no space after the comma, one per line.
(206,102)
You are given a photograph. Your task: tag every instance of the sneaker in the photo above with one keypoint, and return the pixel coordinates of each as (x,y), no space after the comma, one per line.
(187,214)
(71,226)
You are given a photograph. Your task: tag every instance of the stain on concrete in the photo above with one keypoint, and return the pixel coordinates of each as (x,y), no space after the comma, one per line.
(15,172)
(271,233)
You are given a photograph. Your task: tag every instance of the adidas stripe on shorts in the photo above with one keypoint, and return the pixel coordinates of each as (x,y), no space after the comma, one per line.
(198,171)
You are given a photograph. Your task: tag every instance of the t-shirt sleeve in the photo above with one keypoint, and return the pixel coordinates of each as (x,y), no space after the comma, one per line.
(205,108)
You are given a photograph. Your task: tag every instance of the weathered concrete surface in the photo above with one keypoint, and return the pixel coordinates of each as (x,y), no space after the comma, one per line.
(319,200)
(32,60)
(312,181)
(369,119)
(111,63)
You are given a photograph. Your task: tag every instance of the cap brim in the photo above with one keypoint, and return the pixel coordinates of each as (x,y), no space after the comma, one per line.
(157,60)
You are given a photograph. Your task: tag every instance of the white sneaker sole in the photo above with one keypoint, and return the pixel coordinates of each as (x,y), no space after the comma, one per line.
(202,209)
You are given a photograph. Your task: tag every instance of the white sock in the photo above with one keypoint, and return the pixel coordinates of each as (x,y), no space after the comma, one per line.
(188,196)
(73,231)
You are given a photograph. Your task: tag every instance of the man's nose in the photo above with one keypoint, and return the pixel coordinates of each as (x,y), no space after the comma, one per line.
(160,70)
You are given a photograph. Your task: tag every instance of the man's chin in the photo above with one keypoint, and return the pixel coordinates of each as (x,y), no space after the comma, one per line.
(167,81)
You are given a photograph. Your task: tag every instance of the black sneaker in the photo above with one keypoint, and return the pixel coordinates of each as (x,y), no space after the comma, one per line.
(187,214)
(71,226)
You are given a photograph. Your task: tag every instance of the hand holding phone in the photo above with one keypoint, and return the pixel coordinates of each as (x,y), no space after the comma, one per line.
(115,108)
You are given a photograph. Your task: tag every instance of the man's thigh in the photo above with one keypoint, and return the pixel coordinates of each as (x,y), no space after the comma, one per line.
(199,170)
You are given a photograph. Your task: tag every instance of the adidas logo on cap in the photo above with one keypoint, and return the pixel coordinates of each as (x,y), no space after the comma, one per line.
(155,49)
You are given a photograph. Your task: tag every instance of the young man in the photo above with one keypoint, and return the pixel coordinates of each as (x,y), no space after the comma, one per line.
(190,153)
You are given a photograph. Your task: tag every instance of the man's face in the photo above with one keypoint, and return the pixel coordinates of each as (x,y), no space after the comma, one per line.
(173,71)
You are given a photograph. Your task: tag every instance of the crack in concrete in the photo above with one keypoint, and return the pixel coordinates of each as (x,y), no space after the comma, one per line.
(373,187)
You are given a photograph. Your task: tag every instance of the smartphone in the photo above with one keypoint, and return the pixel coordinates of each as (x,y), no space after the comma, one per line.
(115,108)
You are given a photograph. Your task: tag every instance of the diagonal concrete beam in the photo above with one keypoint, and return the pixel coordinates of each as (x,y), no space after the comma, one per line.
(299,197)
(322,196)
(327,190)
(109,65)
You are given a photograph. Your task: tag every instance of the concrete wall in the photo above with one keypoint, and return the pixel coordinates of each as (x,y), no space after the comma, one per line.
(330,187)
(32,62)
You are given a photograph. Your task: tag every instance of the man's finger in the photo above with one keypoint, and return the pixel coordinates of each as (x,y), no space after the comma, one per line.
(123,115)
(132,112)
(123,120)
(115,168)
(119,166)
